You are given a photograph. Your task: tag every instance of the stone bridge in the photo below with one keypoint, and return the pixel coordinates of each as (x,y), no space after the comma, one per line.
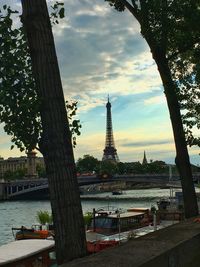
(28,189)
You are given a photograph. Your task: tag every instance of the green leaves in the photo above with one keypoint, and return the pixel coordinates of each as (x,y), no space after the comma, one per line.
(185,67)
(19,101)
(74,124)
(13,175)
(61,13)
(87,164)
(87,218)
(57,13)
(117,4)
(19,104)
(44,217)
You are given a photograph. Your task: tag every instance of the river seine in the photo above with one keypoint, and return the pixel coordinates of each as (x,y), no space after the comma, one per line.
(18,213)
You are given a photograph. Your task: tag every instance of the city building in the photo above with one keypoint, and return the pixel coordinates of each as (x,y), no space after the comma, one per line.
(28,163)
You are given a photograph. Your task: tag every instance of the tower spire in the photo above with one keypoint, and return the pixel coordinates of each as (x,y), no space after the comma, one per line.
(144,161)
(110,152)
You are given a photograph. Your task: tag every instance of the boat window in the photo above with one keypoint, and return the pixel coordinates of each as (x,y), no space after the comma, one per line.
(131,221)
(102,222)
(115,224)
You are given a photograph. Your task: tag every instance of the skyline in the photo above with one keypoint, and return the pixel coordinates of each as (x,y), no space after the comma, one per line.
(100,52)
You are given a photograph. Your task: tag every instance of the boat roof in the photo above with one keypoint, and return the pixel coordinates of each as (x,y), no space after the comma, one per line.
(138,209)
(125,214)
(22,249)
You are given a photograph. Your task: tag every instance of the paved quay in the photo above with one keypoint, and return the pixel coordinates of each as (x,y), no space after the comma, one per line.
(175,246)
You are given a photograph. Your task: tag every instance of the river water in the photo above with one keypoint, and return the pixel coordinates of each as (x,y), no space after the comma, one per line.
(18,213)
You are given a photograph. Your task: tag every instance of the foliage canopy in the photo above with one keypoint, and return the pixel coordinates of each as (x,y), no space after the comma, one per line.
(19,99)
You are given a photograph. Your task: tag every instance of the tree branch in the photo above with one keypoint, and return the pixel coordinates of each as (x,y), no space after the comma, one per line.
(134,4)
(132,8)
(164,22)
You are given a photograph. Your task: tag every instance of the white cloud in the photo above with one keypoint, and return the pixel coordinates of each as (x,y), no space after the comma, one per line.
(87,102)
(155,100)
(101,51)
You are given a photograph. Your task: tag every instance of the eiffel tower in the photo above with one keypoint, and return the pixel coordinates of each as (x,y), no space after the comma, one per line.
(110,152)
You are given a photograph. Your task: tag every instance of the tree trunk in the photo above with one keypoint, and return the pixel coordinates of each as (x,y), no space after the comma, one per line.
(182,157)
(56,143)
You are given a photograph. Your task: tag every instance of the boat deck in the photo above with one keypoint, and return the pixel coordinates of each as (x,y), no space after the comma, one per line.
(124,236)
(23,249)
(125,215)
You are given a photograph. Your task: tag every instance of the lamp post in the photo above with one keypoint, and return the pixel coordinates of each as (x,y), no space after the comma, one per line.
(170,180)
(119,224)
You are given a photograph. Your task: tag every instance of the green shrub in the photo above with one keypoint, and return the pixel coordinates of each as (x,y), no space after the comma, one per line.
(44,217)
(87,218)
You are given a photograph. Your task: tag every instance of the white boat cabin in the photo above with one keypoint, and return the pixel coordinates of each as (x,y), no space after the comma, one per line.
(108,222)
(27,253)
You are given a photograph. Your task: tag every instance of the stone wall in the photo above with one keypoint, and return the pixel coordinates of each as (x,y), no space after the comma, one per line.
(175,246)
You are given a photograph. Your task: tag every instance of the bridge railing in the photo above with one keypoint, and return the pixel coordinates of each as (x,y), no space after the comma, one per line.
(23,186)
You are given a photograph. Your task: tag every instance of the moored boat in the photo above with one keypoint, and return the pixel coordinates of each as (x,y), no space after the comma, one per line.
(117,192)
(113,221)
(31,233)
(98,245)
(110,226)
(171,208)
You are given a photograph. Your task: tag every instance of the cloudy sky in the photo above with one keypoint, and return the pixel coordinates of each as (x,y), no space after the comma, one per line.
(101,52)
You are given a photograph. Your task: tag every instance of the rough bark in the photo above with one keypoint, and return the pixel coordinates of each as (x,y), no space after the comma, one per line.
(182,157)
(56,143)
